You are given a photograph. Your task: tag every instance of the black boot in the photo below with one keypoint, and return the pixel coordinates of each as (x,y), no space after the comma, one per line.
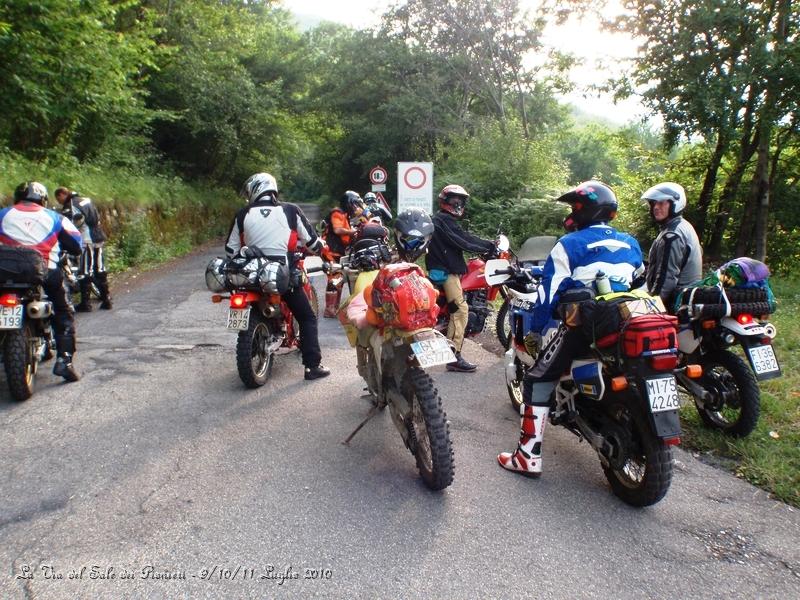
(63,368)
(316,372)
(105,295)
(460,365)
(86,292)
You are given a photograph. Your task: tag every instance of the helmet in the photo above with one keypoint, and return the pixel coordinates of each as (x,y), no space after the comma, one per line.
(453,199)
(215,275)
(259,185)
(413,229)
(31,191)
(370,198)
(591,202)
(667,191)
(369,254)
(349,201)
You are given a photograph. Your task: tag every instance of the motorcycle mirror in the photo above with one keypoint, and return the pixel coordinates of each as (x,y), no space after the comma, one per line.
(495,271)
(502,243)
(313,265)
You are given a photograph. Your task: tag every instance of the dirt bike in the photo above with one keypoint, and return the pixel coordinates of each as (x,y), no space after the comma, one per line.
(533,253)
(70,268)
(727,396)
(478,295)
(264,323)
(392,361)
(621,397)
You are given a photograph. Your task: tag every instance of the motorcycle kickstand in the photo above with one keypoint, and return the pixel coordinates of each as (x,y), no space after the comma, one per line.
(372,412)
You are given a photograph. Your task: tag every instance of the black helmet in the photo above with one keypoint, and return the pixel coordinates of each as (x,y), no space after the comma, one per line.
(591,202)
(453,200)
(413,229)
(349,201)
(31,191)
(369,254)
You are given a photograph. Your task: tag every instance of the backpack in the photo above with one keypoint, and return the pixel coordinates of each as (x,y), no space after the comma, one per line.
(20,264)
(334,242)
(404,298)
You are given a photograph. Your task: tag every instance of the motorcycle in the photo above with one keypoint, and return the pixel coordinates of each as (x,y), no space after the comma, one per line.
(477,293)
(533,253)
(711,323)
(393,355)
(26,334)
(622,396)
(70,268)
(264,323)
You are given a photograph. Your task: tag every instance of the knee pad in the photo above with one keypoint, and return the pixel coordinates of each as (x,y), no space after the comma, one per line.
(453,306)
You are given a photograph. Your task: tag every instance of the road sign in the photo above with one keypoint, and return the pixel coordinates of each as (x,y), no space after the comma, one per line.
(378,175)
(383,201)
(378,187)
(415,186)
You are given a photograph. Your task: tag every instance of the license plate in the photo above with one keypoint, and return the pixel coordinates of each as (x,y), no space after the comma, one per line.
(764,362)
(432,352)
(662,394)
(238,318)
(11,317)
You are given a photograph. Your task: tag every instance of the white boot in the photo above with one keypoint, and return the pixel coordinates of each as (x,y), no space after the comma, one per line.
(527,458)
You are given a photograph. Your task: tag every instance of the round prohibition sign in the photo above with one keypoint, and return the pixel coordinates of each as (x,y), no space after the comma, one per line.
(415,178)
(378,175)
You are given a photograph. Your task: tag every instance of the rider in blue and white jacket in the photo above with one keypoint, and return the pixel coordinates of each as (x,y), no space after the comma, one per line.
(591,245)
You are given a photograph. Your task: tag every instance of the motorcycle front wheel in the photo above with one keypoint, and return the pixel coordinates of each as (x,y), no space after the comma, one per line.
(514,387)
(736,400)
(429,430)
(503,326)
(19,363)
(640,472)
(253,357)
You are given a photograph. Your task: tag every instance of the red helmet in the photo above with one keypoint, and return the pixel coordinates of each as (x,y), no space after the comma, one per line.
(453,200)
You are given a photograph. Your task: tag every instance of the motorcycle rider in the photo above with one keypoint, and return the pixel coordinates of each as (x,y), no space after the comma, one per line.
(373,208)
(445,264)
(676,257)
(275,228)
(30,223)
(84,216)
(591,245)
(340,233)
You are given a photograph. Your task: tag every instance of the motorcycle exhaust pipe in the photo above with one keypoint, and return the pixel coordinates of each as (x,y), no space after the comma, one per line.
(39,309)
(770,330)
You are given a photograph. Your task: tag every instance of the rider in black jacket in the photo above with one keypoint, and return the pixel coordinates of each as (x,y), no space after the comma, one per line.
(445,264)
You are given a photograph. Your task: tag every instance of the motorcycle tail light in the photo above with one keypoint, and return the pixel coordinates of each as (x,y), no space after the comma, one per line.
(694,371)
(672,441)
(9,300)
(619,383)
(238,300)
(664,362)
(745,319)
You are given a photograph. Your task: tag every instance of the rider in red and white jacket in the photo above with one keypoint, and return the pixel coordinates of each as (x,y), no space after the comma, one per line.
(28,223)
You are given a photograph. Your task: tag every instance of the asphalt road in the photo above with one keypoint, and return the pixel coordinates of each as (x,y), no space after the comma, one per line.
(160,463)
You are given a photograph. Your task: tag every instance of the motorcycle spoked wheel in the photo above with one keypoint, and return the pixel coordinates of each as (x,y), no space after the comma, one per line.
(503,326)
(736,403)
(515,387)
(19,363)
(253,358)
(429,430)
(640,471)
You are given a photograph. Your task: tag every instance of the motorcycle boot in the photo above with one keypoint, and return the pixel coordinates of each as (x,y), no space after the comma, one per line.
(316,372)
(106,302)
(527,458)
(64,368)
(461,365)
(86,292)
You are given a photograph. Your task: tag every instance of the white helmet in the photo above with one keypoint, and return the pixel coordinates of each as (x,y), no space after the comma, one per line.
(667,190)
(259,185)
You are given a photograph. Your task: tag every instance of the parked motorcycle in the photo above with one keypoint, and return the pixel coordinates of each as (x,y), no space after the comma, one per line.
(70,268)
(26,335)
(533,253)
(395,343)
(714,320)
(622,397)
(264,322)
(478,295)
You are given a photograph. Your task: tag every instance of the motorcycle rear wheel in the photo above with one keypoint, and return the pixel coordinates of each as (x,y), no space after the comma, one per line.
(19,363)
(645,472)
(429,430)
(503,326)
(736,405)
(253,357)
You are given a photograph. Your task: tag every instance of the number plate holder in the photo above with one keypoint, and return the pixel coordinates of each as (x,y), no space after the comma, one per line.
(238,318)
(662,394)
(432,352)
(764,362)
(11,317)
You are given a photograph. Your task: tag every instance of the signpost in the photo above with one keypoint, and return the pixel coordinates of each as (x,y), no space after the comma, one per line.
(415,186)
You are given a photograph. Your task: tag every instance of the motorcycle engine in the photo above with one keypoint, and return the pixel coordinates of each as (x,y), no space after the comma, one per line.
(478,312)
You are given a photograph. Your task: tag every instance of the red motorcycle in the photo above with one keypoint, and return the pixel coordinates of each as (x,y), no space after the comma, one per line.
(257,311)
(478,294)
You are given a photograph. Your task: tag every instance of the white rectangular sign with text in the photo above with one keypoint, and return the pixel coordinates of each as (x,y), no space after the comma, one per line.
(415,186)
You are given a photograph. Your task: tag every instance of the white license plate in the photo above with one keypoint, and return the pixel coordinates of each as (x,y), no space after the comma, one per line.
(11,317)
(662,394)
(432,352)
(238,318)
(763,359)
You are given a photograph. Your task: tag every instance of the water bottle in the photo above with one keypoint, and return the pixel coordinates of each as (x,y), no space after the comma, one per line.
(602,283)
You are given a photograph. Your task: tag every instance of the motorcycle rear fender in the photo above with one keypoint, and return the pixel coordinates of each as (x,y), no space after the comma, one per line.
(742,331)
(666,424)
